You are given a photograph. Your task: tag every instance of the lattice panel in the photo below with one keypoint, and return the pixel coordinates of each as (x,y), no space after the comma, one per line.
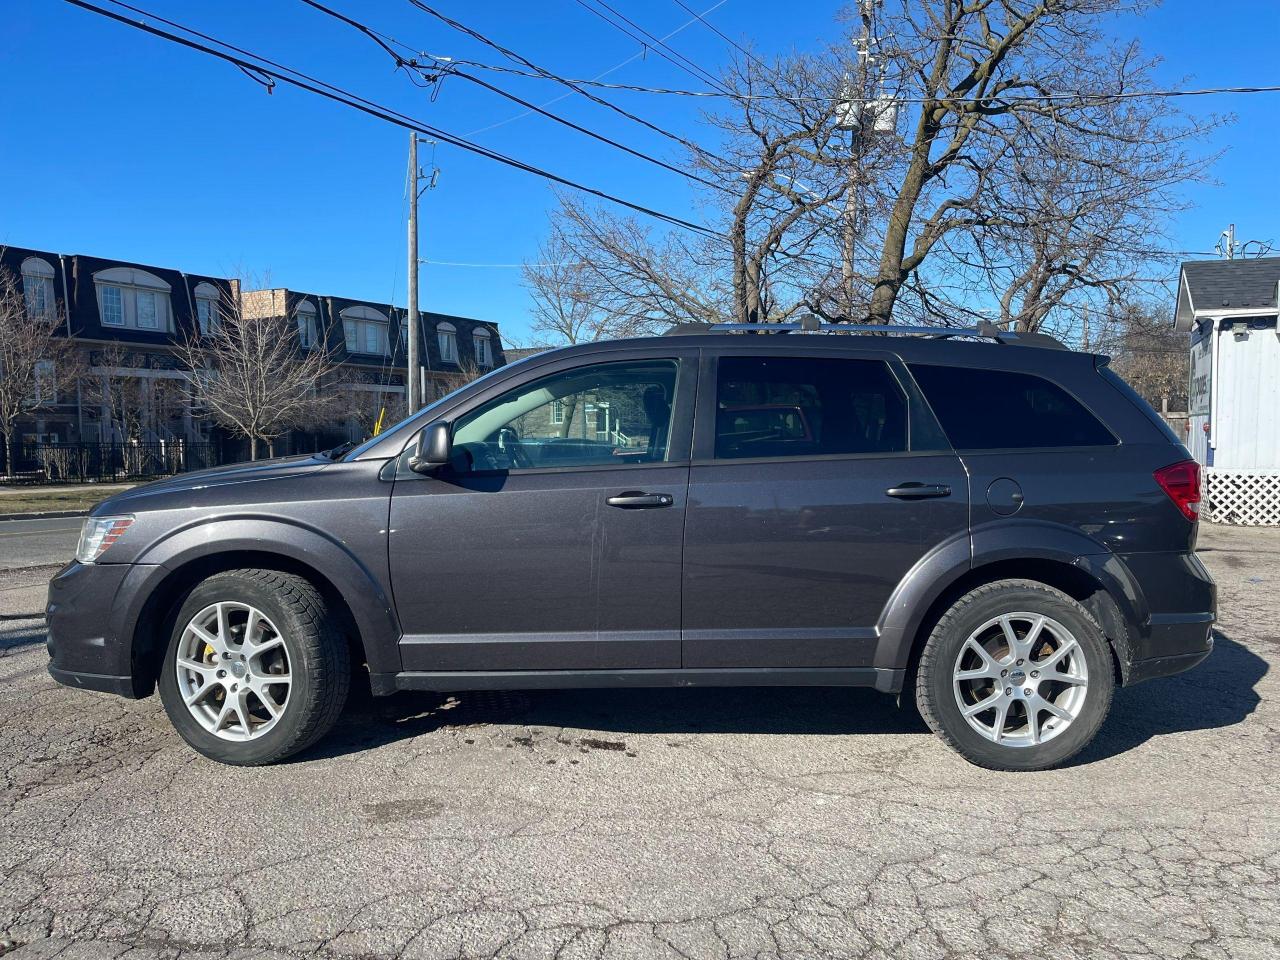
(1241,497)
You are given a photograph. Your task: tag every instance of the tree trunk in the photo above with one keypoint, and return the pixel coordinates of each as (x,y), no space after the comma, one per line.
(253,447)
(8,453)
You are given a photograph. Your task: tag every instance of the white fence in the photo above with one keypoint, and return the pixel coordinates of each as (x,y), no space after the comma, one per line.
(1244,497)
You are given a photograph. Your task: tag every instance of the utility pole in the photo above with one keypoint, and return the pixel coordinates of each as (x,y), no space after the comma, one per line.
(413,370)
(863,116)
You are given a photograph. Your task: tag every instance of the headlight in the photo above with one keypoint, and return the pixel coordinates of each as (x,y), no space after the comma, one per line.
(97,534)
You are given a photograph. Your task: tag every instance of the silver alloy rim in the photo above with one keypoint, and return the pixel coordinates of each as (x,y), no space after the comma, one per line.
(233,671)
(1020,679)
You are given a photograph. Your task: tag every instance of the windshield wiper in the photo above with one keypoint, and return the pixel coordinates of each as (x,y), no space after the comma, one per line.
(341,450)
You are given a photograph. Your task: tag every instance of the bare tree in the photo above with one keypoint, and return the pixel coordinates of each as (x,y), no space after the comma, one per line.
(1147,352)
(1018,179)
(251,373)
(129,404)
(36,361)
(372,410)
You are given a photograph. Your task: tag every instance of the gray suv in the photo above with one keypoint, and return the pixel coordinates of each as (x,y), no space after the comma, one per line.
(992,526)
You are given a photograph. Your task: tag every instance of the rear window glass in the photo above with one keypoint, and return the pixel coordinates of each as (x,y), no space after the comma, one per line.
(807,406)
(996,409)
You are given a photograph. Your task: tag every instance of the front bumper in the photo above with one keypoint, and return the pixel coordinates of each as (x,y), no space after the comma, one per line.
(84,650)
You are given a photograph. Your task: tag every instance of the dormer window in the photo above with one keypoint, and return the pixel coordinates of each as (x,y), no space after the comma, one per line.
(480,340)
(447,338)
(207,315)
(307,326)
(37,287)
(365,330)
(133,299)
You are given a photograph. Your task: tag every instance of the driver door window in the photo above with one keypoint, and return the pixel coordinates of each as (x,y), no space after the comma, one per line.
(607,414)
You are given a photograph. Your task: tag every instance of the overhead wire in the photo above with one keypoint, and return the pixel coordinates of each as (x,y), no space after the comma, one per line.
(550,75)
(647,39)
(716,30)
(413,64)
(339,95)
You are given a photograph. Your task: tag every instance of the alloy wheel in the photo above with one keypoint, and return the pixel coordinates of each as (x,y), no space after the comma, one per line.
(1020,679)
(233,671)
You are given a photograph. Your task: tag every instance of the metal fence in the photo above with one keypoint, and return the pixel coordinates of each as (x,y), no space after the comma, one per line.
(107,462)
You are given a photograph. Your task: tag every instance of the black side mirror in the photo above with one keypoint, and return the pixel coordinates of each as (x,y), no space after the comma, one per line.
(435,446)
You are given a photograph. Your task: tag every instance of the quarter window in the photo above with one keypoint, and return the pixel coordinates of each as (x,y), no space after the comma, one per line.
(608,414)
(996,409)
(803,407)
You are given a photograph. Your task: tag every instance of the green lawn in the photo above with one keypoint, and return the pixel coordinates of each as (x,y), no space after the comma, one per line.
(34,500)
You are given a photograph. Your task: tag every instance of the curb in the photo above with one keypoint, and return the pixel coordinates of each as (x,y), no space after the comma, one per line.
(47,515)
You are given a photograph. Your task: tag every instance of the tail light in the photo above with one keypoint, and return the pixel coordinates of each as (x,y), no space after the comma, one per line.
(1181,481)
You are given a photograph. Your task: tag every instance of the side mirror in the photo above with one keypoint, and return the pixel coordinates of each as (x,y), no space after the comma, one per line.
(435,446)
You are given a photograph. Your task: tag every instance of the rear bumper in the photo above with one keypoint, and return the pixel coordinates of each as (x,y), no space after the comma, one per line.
(1182,602)
(84,650)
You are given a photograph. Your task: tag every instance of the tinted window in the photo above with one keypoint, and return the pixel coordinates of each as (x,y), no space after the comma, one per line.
(607,414)
(993,409)
(801,406)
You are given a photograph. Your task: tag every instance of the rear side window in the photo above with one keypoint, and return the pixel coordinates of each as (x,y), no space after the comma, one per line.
(801,406)
(997,409)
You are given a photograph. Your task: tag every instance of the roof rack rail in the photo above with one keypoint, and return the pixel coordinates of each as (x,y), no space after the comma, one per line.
(985,330)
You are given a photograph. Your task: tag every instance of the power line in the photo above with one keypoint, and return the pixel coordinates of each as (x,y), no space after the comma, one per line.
(658,46)
(453,71)
(549,75)
(716,94)
(727,39)
(346,98)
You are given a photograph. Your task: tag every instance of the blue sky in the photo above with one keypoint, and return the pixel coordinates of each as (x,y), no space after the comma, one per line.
(118,144)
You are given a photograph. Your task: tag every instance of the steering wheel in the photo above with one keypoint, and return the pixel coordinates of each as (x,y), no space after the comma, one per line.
(509,444)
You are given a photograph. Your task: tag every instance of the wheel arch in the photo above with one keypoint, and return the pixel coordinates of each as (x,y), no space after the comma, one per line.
(1096,580)
(366,615)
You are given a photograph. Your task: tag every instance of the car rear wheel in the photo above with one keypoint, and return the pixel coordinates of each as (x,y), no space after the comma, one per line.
(1016,675)
(256,669)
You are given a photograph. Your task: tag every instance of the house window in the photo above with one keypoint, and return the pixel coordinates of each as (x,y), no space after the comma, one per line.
(447,337)
(129,297)
(112,299)
(45,389)
(306,324)
(37,286)
(146,310)
(207,316)
(480,340)
(557,411)
(404,335)
(365,330)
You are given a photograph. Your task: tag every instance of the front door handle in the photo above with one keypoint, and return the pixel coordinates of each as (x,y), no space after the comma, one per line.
(919,491)
(641,501)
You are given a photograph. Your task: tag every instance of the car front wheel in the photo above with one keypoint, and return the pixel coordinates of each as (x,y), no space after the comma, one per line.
(256,669)
(1016,675)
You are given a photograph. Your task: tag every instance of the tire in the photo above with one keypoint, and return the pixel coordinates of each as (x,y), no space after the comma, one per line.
(969,658)
(294,638)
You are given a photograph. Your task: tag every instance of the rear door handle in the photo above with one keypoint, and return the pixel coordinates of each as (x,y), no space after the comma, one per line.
(919,491)
(634,500)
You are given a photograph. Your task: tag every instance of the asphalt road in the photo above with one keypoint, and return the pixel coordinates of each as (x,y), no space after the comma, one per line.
(724,823)
(28,543)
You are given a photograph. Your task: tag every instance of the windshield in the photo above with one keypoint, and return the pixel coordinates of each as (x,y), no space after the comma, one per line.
(423,415)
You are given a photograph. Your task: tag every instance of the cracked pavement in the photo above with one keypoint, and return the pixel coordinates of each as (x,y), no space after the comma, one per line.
(665,823)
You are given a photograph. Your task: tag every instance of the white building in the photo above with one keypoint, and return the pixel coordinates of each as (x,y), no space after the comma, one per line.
(1230,309)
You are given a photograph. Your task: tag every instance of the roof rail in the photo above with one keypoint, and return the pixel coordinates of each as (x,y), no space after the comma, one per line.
(985,330)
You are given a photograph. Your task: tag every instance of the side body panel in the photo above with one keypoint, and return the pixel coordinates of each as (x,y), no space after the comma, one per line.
(790,561)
